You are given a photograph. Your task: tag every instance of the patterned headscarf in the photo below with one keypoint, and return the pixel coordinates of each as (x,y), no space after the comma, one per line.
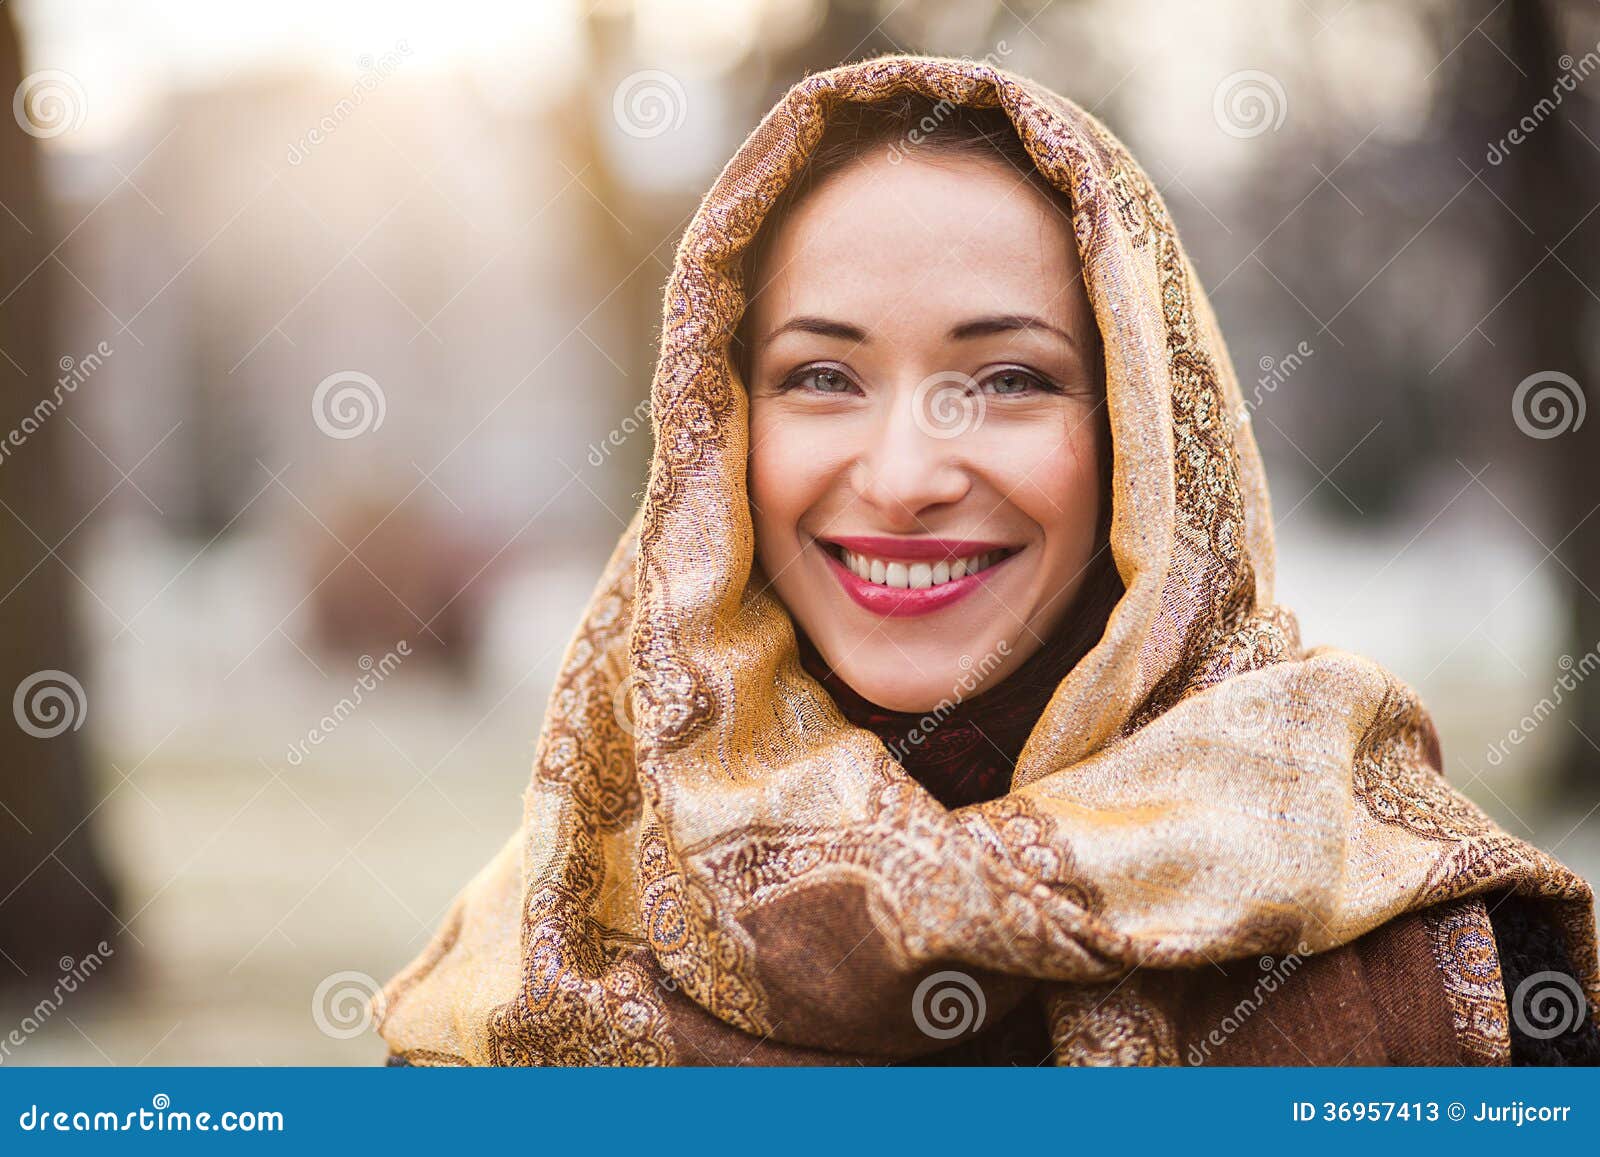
(715,865)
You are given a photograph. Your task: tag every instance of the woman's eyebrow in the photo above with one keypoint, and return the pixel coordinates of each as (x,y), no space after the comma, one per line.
(822,327)
(1006,323)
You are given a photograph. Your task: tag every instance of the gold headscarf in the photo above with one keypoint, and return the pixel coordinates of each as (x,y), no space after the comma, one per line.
(715,866)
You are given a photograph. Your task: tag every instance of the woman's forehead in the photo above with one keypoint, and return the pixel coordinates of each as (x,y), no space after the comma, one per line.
(944,238)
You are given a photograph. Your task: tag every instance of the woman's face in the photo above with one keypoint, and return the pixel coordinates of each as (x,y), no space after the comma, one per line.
(924,380)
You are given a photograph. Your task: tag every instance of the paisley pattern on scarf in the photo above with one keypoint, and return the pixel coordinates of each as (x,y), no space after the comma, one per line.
(1464,942)
(716,865)
(1110,1025)
(1397,775)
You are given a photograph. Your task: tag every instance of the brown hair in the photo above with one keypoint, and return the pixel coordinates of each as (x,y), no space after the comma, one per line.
(916,126)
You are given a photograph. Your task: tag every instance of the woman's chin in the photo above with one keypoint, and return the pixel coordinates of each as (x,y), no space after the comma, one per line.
(934,687)
(907,702)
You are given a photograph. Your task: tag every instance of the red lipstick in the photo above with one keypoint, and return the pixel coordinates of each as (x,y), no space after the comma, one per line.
(903,602)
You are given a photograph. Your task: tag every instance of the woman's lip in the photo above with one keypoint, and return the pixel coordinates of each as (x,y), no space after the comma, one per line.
(901,602)
(916,549)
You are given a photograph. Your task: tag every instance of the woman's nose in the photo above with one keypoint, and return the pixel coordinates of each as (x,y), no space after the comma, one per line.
(910,466)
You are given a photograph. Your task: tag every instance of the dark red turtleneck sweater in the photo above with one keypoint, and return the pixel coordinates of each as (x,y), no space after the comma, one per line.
(965,753)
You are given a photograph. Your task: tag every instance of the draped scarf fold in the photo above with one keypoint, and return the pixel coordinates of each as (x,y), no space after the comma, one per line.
(716,866)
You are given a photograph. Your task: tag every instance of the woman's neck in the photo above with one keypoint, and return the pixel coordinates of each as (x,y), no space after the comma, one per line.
(962,750)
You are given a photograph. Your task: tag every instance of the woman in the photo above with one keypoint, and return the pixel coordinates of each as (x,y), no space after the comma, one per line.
(935,707)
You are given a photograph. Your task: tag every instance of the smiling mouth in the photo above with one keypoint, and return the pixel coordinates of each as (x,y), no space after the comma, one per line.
(911,576)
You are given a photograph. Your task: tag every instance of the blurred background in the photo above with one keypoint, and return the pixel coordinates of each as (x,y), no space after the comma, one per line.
(325,338)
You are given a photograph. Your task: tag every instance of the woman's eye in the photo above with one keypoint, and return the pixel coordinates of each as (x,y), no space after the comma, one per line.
(820,380)
(1008,383)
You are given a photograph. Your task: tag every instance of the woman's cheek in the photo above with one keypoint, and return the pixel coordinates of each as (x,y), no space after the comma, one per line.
(1057,475)
(777,489)
(1033,451)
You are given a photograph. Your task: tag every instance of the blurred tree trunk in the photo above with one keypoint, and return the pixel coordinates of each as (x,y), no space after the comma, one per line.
(1552,171)
(54,894)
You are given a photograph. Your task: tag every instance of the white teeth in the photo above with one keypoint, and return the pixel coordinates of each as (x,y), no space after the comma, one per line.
(916,575)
